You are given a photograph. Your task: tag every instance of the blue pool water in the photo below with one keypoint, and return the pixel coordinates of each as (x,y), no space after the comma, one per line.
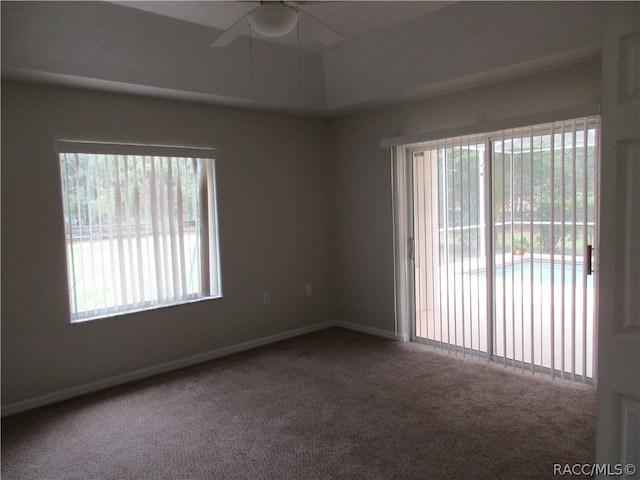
(542,272)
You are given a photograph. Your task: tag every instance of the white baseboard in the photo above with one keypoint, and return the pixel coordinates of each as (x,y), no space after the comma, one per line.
(370,330)
(67,393)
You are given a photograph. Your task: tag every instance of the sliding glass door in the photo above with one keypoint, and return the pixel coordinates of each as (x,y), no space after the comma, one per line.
(503,227)
(449,223)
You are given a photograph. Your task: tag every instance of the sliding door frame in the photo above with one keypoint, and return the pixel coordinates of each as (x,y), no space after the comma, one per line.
(407,158)
(404,157)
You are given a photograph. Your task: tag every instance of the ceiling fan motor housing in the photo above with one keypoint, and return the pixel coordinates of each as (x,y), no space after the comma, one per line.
(273,20)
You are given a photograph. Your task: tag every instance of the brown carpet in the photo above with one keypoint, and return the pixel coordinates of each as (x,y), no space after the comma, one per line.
(334,404)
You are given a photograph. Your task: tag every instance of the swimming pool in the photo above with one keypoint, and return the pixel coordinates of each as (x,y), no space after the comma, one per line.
(542,272)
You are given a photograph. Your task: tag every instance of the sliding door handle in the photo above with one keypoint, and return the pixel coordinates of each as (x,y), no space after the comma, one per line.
(589,269)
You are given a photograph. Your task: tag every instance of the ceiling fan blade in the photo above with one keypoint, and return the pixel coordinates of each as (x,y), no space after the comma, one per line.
(318,29)
(232,32)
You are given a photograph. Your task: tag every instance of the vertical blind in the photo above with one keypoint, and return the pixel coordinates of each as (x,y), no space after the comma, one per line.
(504,223)
(140,227)
(449,227)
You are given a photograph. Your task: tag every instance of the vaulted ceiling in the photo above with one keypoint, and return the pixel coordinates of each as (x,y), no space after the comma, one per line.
(346,17)
(390,51)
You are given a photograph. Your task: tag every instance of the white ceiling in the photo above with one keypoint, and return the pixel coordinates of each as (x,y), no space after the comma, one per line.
(351,19)
(391,51)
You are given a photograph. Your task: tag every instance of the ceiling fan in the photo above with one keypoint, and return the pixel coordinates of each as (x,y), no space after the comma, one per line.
(276,19)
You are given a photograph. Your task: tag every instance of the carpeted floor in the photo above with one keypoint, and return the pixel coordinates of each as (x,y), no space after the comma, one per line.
(334,404)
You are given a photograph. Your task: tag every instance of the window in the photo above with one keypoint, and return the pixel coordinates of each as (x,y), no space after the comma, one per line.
(141,227)
(509,217)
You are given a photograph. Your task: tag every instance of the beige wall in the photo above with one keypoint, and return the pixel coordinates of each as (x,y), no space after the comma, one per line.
(300,201)
(361,181)
(272,175)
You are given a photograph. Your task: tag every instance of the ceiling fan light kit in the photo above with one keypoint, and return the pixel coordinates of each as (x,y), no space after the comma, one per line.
(277,19)
(273,20)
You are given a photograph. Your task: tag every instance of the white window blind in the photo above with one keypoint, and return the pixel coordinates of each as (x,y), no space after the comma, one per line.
(492,126)
(505,226)
(141,227)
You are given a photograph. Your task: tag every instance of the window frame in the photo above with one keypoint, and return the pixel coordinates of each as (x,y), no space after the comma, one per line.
(209,257)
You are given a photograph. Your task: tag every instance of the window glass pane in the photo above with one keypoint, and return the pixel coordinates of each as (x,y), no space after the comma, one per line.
(504,224)
(140,229)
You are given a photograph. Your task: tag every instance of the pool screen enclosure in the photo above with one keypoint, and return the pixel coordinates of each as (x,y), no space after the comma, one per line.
(504,227)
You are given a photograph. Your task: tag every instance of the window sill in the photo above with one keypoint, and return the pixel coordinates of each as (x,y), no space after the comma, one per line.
(143,309)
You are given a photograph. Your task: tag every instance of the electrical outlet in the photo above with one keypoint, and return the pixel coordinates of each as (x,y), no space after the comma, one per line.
(267,298)
(309,289)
